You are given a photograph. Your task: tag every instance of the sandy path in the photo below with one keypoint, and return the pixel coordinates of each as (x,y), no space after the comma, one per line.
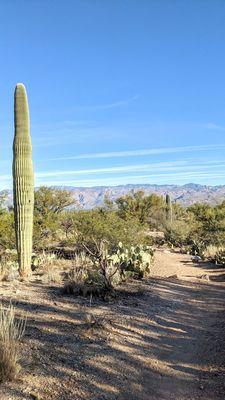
(161,339)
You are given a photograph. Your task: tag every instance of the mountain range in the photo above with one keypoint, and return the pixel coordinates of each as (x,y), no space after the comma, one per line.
(90,197)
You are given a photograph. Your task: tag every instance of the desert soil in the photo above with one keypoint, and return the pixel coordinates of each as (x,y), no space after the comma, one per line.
(159,339)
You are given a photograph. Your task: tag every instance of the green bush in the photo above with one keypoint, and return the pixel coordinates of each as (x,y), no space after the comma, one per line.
(177,233)
(7,231)
(49,206)
(91,227)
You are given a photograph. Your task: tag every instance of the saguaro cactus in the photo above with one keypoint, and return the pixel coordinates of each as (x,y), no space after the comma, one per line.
(23,180)
(169,212)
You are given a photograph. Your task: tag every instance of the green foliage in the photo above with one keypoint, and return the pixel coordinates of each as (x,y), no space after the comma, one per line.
(106,270)
(92,226)
(177,233)
(52,201)
(208,224)
(3,198)
(132,261)
(145,209)
(7,230)
(198,227)
(50,215)
(23,181)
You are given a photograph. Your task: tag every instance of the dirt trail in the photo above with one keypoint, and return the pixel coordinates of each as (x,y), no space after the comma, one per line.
(161,339)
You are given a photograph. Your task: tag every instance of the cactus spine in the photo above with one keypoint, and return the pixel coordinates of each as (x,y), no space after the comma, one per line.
(23,180)
(169,212)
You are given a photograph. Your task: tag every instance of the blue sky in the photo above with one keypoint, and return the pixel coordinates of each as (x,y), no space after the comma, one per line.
(120,91)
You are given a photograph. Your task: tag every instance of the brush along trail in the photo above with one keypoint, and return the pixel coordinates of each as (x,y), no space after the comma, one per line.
(159,339)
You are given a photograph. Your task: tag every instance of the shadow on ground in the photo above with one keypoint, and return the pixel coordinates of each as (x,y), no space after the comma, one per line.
(164,342)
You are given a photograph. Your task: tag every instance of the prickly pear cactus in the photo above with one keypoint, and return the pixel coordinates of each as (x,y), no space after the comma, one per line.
(135,260)
(23,180)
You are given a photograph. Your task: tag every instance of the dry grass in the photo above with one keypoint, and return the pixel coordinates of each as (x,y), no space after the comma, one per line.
(211,252)
(11,331)
(52,276)
(86,282)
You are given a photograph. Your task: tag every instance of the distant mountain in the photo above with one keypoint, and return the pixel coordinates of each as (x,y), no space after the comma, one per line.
(90,197)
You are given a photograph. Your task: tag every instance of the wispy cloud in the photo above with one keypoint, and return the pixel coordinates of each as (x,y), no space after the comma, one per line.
(174,174)
(144,152)
(72,133)
(213,126)
(116,104)
(183,165)
(165,178)
(112,170)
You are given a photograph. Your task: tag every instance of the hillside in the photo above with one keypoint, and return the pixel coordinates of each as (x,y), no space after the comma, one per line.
(90,197)
(186,194)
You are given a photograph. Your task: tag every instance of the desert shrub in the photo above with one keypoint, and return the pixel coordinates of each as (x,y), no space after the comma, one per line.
(198,227)
(52,276)
(177,233)
(210,252)
(121,262)
(87,282)
(50,267)
(146,209)
(11,331)
(43,261)
(220,257)
(82,260)
(49,205)
(9,271)
(91,227)
(9,265)
(198,247)
(104,270)
(209,226)
(7,231)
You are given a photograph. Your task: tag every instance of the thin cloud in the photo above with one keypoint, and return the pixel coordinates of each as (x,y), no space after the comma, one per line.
(116,104)
(143,152)
(213,126)
(125,168)
(165,178)
(170,177)
(183,165)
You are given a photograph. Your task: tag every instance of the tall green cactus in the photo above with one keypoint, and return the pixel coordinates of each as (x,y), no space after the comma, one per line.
(23,180)
(169,211)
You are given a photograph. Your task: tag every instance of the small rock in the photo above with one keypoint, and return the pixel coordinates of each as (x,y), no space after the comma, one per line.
(35,396)
(196,259)
(205,276)
(173,277)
